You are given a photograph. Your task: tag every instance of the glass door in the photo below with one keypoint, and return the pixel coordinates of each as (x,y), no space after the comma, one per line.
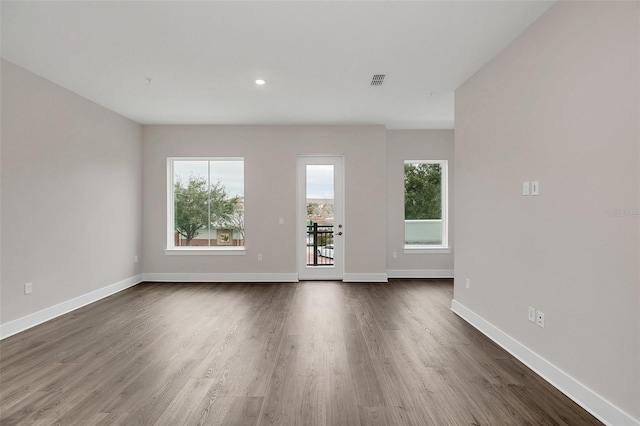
(320,218)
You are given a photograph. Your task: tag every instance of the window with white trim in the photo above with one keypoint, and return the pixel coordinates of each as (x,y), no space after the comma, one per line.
(205,198)
(425,205)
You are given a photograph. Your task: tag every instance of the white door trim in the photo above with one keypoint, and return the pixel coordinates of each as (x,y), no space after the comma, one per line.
(305,272)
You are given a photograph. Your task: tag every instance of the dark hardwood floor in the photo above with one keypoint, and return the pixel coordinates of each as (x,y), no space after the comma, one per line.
(323,353)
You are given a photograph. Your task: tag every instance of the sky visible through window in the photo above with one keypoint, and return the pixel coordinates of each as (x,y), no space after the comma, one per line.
(229,172)
(320,182)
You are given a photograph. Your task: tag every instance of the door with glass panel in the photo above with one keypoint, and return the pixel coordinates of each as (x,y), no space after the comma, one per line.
(320,223)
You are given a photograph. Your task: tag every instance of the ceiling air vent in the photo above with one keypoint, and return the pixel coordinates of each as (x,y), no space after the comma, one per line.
(377,79)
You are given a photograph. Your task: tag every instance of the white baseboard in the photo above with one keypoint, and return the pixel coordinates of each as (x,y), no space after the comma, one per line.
(364,278)
(598,406)
(188,277)
(420,273)
(12,327)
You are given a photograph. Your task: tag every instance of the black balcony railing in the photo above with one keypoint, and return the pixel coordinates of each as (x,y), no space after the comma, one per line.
(319,245)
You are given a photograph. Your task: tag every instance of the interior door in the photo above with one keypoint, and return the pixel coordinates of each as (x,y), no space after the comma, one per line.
(320,217)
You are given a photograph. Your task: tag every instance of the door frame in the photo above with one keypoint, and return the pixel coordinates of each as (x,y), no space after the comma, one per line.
(336,272)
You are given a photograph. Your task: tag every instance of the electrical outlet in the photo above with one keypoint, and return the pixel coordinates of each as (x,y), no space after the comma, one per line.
(532,314)
(468,283)
(135,259)
(260,257)
(394,254)
(28,288)
(281,221)
(540,319)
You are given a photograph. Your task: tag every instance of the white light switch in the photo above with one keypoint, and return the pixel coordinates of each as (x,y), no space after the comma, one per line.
(525,187)
(281,221)
(535,188)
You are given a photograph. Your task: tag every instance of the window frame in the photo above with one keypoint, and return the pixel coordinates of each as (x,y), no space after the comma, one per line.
(171,248)
(444,199)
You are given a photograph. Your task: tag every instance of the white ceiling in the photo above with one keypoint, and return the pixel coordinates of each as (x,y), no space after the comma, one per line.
(317,57)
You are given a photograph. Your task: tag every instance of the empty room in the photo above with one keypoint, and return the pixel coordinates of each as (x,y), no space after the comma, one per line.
(320,213)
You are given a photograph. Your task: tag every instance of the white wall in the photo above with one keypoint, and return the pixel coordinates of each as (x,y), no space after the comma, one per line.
(73,168)
(415,145)
(560,105)
(270,193)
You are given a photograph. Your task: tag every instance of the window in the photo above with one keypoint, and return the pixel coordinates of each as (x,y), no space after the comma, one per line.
(425,205)
(205,204)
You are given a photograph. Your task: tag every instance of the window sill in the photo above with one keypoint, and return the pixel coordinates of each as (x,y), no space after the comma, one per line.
(426,250)
(206,251)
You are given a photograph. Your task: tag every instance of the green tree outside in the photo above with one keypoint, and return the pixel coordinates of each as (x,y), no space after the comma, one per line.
(422,191)
(199,205)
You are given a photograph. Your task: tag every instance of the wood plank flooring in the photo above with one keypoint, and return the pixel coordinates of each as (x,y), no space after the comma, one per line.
(311,353)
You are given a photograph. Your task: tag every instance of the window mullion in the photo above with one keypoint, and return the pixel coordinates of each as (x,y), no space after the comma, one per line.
(209,203)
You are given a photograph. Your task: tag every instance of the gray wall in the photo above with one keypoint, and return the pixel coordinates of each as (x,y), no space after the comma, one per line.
(559,105)
(415,145)
(270,193)
(72,167)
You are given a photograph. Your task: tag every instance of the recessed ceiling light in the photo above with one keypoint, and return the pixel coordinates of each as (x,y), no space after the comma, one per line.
(260,82)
